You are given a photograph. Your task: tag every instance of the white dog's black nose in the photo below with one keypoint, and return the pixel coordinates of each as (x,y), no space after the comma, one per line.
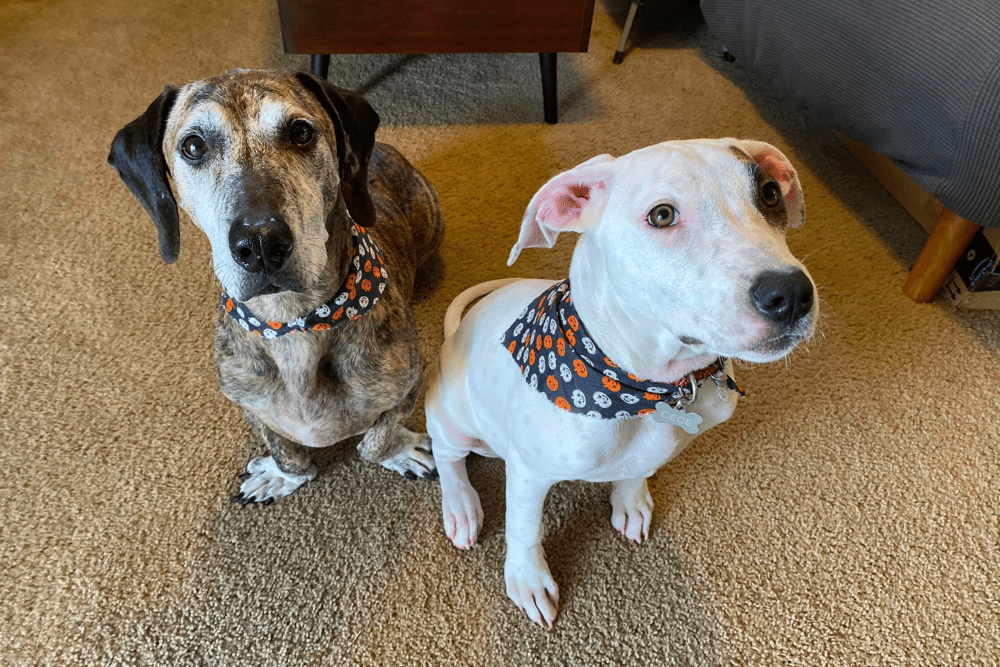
(260,242)
(783,298)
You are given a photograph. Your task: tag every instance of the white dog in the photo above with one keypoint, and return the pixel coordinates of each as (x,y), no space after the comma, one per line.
(681,265)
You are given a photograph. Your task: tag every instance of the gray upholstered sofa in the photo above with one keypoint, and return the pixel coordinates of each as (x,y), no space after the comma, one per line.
(915,80)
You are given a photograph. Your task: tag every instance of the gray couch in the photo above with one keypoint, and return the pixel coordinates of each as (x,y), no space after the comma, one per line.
(915,80)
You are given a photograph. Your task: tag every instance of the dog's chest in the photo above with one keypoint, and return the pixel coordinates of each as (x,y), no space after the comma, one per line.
(298,400)
(298,361)
(650,443)
(569,446)
(300,392)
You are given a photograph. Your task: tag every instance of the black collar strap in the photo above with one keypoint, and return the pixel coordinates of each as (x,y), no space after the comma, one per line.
(359,294)
(558,358)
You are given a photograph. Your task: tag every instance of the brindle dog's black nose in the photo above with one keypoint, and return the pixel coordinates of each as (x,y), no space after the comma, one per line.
(783,298)
(260,242)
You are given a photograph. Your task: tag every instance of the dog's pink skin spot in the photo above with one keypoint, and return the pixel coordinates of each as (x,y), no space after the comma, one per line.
(566,205)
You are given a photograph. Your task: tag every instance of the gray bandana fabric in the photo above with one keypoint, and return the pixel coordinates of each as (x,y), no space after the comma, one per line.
(359,294)
(558,358)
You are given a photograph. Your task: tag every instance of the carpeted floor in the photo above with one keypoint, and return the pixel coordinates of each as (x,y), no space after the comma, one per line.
(847,515)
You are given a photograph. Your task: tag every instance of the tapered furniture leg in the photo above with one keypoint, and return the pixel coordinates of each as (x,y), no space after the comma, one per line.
(550,97)
(626,31)
(947,242)
(320,65)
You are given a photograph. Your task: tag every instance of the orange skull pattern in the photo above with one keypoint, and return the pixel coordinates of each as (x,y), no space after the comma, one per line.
(346,303)
(558,358)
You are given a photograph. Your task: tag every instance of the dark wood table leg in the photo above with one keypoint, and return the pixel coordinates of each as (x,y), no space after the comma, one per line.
(320,64)
(550,97)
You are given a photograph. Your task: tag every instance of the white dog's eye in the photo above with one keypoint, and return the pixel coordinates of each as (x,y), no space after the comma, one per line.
(193,147)
(301,132)
(771,194)
(663,215)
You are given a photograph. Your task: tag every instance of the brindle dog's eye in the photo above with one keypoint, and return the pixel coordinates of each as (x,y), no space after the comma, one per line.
(193,147)
(301,132)
(771,194)
(663,215)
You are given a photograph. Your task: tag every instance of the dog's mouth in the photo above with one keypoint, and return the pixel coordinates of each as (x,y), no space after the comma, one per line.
(270,289)
(772,349)
(783,343)
(267,285)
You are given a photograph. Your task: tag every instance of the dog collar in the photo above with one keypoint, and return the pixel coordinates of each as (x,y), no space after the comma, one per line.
(359,294)
(558,358)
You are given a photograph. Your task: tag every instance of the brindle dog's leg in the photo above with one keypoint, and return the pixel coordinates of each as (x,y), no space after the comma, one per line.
(398,448)
(271,477)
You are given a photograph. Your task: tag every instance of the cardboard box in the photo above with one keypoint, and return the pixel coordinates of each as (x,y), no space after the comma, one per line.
(975,282)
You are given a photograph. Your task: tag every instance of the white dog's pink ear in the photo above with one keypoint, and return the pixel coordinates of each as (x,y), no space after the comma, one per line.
(570,202)
(773,162)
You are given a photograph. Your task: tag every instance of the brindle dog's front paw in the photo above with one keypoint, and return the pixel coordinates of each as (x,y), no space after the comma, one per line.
(415,459)
(264,482)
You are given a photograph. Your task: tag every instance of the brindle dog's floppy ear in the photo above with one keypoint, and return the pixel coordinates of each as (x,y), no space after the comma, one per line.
(137,155)
(355,122)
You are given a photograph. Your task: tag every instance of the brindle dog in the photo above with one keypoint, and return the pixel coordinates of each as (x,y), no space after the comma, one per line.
(278,170)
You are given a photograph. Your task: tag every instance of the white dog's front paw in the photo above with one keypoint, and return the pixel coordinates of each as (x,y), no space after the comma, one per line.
(632,509)
(415,460)
(264,482)
(530,585)
(461,511)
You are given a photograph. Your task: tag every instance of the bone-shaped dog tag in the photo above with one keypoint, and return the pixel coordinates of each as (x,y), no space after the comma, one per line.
(678,416)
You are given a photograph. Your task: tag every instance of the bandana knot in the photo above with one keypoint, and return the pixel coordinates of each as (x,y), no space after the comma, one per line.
(357,295)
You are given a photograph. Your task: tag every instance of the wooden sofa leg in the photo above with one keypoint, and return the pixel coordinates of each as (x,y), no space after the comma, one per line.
(947,242)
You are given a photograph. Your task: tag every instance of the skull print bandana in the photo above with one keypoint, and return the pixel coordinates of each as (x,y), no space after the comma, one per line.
(558,358)
(359,294)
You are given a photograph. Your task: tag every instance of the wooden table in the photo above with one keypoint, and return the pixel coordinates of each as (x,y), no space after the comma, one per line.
(546,27)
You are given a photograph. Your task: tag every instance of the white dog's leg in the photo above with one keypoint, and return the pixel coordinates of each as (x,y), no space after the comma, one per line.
(529,583)
(461,509)
(631,508)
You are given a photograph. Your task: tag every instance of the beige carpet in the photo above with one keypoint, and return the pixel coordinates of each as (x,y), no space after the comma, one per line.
(847,515)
